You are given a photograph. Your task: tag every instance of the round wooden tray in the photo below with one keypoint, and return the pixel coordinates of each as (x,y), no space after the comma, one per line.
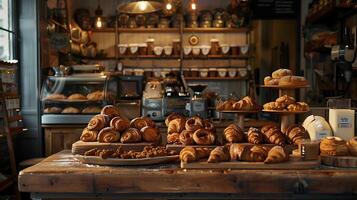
(286,87)
(239,111)
(96,160)
(282,112)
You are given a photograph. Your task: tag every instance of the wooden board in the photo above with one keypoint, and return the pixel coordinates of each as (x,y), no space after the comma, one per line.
(285,86)
(283,112)
(80,147)
(339,161)
(239,111)
(96,160)
(293,163)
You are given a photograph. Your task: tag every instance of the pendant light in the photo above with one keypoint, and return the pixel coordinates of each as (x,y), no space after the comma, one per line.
(140,7)
(193,5)
(98,17)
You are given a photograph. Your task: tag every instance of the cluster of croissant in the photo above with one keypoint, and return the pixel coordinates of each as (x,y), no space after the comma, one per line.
(284,77)
(269,134)
(235,152)
(335,146)
(286,103)
(194,130)
(245,104)
(109,126)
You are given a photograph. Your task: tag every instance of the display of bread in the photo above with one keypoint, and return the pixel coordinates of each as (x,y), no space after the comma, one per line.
(191,131)
(233,134)
(273,134)
(190,154)
(147,152)
(352,146)
(286,103)
(52,110)
(71,110)
(91,109)
(247,103)
(285,77)
(77,96)
(111,127)
(256,153)
(96,95)
(333,146)
(296,134)
(56,97)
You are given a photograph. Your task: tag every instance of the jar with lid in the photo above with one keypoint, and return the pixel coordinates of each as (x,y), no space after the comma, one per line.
(235,49)
(150,46)
(142,48)
(214,46)
(176,45)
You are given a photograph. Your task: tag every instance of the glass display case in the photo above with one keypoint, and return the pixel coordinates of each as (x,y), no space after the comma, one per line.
(75,99)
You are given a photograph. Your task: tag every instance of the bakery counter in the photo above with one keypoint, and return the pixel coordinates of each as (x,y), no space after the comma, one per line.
(62,176)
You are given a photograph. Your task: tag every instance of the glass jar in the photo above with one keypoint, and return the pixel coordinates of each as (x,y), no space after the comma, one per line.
(150,46)
(142,49)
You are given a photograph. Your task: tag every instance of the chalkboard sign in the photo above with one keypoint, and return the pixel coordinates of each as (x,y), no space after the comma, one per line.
(275,9)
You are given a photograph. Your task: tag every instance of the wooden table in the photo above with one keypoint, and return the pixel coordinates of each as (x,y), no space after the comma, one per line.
(61,176)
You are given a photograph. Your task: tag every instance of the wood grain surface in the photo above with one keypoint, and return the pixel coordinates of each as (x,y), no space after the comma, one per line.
(340,161)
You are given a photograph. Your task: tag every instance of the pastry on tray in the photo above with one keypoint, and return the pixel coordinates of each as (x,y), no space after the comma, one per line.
(71,110)
(77,96)
(56,97)
(273,135)
(150,134)
(131,135)
(171,117)
(247,103)
(119,124)
(277,154)
(333,146)
(281,73)
(292,81)
(108,135)
(241,152)
(296,134)
(233,134)
(191,154)
(91,109)
(204,137)
(98,122)
(52,110)
(286,103)
(219,154)
(111,111)
(254,136)
(88,135)
(96,96)
(284,77)
(352,146)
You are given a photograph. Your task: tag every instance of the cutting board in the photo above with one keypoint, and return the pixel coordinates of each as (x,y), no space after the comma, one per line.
(179,147)
(293,163)
(339,161)
(80,147)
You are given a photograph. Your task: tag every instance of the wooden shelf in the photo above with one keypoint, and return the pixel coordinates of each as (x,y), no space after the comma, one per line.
(173,30)
(214,78)
(6,183)
(200,57)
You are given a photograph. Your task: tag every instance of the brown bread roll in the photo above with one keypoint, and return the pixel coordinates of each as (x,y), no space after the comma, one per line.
(98,122)
(131,135)
(88,135)
(119,124)
(150,134)
(203,137)
(108,135)
(77,96)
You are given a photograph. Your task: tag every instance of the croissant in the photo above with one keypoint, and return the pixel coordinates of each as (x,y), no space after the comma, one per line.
(150,134)
(186,137)
(138,123)
(277,155)
(194,123)
(88,136)
(149,122)
(119,124)
(285,100)
(257,154)
(111,111)
(203,152)
(188,154)
(208,125)
(219,154)
(352,146)
(173,138)
(239,152)
(98,122)
(255,136)
(296,134)
(176,125)
(171,117)
(203,137)
(108,135)
(233,134)
(273,135)
(131,135)
(228,105)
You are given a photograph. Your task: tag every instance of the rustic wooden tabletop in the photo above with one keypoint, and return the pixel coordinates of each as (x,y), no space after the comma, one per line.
(61,176)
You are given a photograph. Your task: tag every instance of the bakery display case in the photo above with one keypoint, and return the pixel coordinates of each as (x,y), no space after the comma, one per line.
(75,99)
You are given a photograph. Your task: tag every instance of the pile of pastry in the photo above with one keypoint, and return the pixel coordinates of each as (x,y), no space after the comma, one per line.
(235,152)
(286,103)
(110,126)
(269,134)
(285,77)
(335,146)
(245,104)
(93,96)
(72,110)
(147,152)
(191,131)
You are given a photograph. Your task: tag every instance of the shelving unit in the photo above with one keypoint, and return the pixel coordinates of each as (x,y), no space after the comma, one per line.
(201,57)
(173,30)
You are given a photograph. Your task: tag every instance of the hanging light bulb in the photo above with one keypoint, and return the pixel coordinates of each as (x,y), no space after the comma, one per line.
(193,5)
(168,6)
(98,22)
(98,19)
(142,5)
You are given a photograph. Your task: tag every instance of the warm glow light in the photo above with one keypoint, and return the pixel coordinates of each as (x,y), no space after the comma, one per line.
(142,5)
(193,6)
(98,22)
(168,6)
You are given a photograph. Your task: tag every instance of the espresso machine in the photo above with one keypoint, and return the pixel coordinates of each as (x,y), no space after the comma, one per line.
(198,103)
(152,100)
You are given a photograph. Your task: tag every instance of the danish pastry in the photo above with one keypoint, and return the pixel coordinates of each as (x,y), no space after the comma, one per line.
(194,123)
(203,137)
(352,146)
(333,146)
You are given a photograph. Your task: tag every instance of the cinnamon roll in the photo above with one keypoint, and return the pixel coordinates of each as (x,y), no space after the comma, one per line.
(98,122)
(111,111)
(150,134)
(208,125)
(186,138)
(171,117)
(88,135)
(194,123)
(131,135)
(108,135)
(203,137)
(138,123)
(119,124)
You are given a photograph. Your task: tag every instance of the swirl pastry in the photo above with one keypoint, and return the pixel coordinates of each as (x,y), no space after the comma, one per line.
(96,96)
(131,135)
(273,135)
(119,124)
(171,117)
(233,134)
(149,122)
(98,122)
(257,154)
(219,154)
(111,111)
(194,123)
(188,154)
(296,134)
(77,96)
(333,146)
(203,152)
(176,125)
(208,125)
(108,135)
(150,134)
(203,137)
(88,135)
(277,155)
(255,136)
(173,138)
(138,123)
(186,138)
(352,146)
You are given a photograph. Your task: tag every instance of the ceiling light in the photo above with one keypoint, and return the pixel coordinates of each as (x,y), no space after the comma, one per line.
(140,7)
(168,6)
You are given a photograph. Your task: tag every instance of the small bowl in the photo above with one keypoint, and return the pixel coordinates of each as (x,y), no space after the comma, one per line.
(242,72)
(244,49)
(232,73)
(225,48)
(134,48)
(222,72)
(187,50)
(196,51)
(158,50)
(122,48)
(205,50)
(203,72)
(168,50)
